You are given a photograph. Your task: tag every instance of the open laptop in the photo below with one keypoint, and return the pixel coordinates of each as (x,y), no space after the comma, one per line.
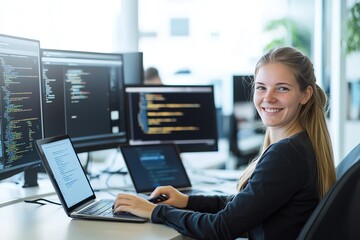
(155,165)
(71,184)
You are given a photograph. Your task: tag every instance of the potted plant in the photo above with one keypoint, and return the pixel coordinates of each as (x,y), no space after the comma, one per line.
(289,32)
(353,29)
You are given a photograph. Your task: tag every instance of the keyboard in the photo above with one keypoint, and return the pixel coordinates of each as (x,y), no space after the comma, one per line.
(100,208)
(104,208)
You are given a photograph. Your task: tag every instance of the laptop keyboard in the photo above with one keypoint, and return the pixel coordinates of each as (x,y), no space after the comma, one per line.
(104,208)
(100,208)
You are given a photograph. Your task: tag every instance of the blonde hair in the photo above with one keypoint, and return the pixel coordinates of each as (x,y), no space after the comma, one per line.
(311,116)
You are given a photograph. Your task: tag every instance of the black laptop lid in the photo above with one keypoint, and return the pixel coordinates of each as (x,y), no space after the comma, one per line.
(155,165)
(65,171)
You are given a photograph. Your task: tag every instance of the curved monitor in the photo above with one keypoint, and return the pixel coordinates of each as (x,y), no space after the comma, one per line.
(184,115)
(20,100)
(83,98)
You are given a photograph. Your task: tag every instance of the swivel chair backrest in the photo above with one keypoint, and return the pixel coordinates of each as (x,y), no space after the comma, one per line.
(348,161)
(337,216)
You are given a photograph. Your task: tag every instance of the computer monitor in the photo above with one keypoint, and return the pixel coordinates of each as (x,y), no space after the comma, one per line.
(184,115)
(20,100)
(242,88)
(83,97)
(242,98)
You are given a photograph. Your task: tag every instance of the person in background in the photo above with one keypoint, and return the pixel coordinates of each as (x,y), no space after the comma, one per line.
(151,76)
(279,190)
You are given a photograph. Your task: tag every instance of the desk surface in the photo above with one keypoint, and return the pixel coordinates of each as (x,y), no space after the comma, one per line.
(13,193)
(35,222)
(20,220)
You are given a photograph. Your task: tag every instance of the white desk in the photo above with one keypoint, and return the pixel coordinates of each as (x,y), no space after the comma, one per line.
(20,220)
(12,193)
(34,222)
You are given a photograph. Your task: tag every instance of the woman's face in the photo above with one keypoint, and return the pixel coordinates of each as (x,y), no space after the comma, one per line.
(277,96)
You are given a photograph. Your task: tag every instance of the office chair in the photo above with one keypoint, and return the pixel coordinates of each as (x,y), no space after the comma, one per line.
(348,161)
(242,158)
(337,216)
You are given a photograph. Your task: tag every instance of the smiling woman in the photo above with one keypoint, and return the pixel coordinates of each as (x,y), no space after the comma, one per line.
(278,98)
(280,189)
(289,101)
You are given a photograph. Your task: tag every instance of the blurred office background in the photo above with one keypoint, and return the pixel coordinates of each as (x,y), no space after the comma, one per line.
(206,42)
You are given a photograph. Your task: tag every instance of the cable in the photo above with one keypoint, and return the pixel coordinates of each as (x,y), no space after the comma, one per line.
(39,201)
(89,163)
(120,171)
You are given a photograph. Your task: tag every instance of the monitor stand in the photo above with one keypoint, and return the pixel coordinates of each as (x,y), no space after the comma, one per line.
(30,178)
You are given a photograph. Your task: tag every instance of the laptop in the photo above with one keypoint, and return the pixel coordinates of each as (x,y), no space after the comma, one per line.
(71,184)
(156,165)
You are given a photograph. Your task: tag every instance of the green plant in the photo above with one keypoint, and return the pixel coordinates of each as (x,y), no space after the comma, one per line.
(353,29)
(289,33)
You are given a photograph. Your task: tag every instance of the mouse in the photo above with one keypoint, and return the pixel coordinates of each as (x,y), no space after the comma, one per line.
(158,198)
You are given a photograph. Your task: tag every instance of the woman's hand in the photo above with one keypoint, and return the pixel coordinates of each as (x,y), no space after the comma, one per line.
(143,208)
(133,204)
(176,198)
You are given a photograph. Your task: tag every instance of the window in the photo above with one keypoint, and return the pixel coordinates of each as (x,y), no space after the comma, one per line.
(179,27)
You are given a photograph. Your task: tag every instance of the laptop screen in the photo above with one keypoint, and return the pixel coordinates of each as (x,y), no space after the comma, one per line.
(155,165)
(67,171)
